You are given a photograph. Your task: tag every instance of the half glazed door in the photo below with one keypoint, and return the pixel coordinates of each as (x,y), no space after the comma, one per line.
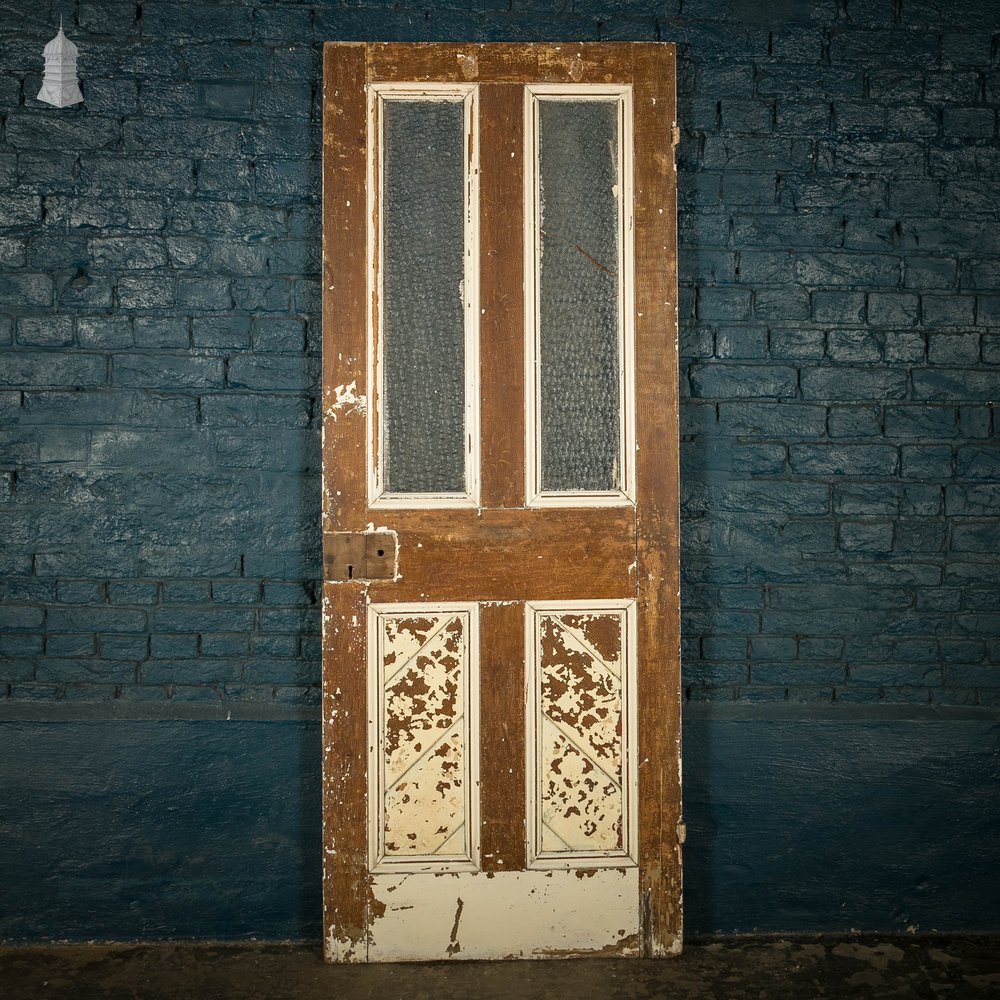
(500,603)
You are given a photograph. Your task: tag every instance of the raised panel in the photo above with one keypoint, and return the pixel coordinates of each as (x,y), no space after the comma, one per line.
(422,724)
(581,729)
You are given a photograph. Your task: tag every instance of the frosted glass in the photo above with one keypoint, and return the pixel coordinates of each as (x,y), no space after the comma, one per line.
(578,290)
(423,238)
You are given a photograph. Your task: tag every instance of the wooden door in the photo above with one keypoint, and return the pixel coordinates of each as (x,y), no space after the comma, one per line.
(500,605)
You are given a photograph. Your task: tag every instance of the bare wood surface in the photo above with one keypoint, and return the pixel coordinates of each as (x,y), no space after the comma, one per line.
(501,759)
(345,844)
(501,294)
(345,906)
(502,62)
(502,555)
(657,500)
(344,286)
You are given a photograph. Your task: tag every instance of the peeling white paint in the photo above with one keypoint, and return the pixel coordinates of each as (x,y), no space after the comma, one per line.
(347,400)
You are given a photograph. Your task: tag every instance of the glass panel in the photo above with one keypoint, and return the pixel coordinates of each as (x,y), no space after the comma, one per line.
(423,267)
(578,290)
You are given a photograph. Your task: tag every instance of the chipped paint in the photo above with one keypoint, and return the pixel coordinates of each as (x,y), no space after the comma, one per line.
(581,710)
(347,399)
(420,737)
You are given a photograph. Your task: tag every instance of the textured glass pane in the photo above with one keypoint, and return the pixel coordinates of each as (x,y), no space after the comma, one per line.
(578,294)
(423,236)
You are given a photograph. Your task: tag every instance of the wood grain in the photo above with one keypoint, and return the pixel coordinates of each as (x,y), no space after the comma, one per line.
(504,555)
(345,907)
(501,292)
(501,758)
(503,62)
(344,285)
(657,500)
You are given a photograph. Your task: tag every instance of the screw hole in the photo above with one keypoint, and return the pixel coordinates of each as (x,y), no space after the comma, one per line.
(381,552)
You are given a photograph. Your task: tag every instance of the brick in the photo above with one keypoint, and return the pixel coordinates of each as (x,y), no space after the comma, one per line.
(18,290)
(288,374)
(145,292)
(854,421)
(843,383)
(743,381)
(927,461)
(895,309)
(977,462)
(201,671)
(953,384)
(285,335)
(969,123)
(223,644)
(236,410)
(168,372)
(845,308)
(25,369)
(953,349)
(797,344)
(843,459)
(948,311)
(119,647)
(855,346)
(930,272)
(741,342)
(772,419)
(45,331)
(221,331)
(972,501)
(97,332)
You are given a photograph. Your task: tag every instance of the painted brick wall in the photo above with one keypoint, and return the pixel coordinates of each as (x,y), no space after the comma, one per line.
(840,339)
(840,309)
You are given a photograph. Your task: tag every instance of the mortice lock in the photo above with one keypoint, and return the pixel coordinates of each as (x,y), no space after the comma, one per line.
(360,555)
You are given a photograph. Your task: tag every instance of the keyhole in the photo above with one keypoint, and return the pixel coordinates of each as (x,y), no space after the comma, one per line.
(350,572)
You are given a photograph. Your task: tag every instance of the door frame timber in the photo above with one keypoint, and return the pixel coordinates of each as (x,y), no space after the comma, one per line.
(646,537)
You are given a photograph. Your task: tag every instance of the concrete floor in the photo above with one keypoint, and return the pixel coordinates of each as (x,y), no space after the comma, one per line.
(953,967)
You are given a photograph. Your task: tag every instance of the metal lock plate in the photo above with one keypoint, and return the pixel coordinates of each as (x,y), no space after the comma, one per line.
(360,555)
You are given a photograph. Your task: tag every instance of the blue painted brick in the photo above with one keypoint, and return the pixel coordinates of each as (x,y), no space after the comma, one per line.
(80,592)
(841,383)
(843,308)
(166,646)
(953,349)
(927,461)
(132,592)
(118,647)
(274,645)
(854,421)
(227,332)
(855,346)
(207,671)
(223,644)
(895,309)
(843,459)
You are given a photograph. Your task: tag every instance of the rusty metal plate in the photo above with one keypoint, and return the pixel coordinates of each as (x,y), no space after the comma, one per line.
(359,555)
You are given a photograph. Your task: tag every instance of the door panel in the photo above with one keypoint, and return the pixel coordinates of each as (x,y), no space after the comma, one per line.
(501,709)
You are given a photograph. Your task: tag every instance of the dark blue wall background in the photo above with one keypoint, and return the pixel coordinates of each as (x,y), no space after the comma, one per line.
(159,431)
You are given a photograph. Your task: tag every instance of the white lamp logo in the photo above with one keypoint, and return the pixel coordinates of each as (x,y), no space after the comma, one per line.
(60,85)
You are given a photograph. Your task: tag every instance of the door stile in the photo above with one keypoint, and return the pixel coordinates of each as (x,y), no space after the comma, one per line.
(345,881)
(661,831)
